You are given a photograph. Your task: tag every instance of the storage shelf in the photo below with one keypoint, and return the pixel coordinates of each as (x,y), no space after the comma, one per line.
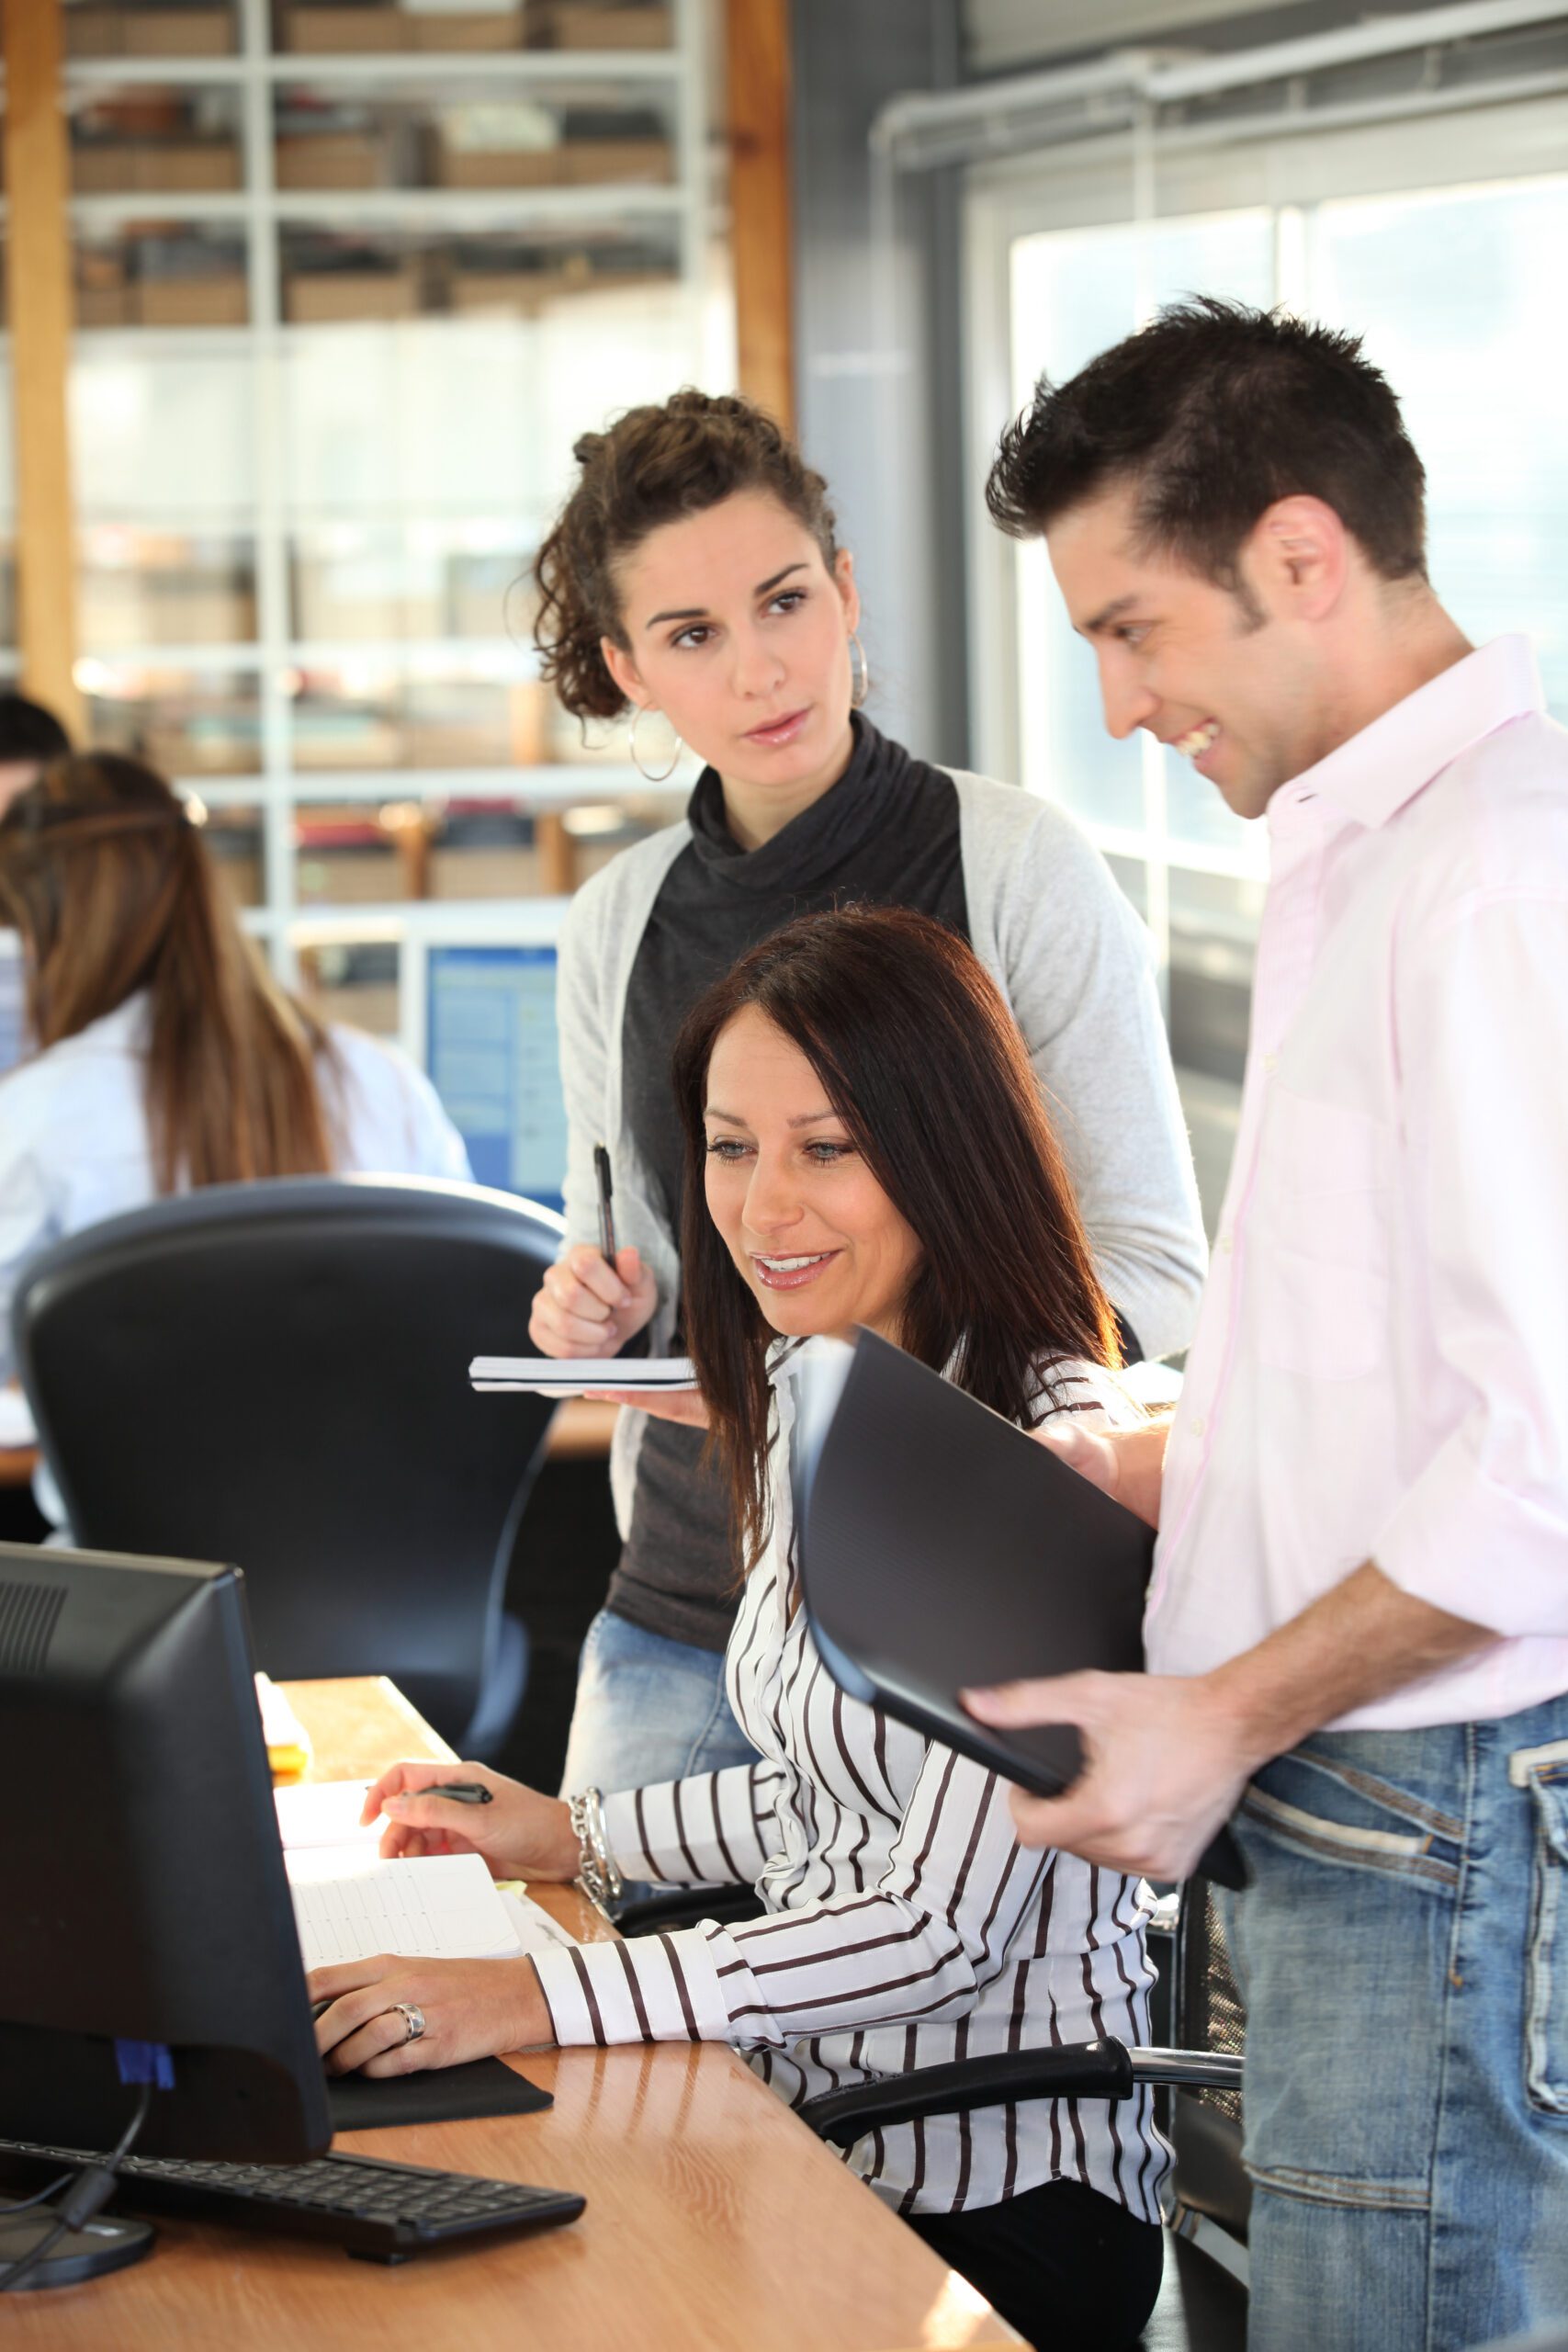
(529,921)
(325,654)
(556,787)
(384,207)
(521,66)
(295,403)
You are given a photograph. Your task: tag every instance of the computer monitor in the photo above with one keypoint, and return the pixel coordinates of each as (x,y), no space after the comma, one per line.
(493,1056)
(142,1890)
(13,1008)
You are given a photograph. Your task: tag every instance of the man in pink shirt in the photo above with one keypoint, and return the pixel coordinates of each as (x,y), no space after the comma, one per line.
(1357,1626)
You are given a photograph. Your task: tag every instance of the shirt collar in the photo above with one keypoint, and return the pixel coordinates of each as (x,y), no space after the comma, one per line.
(1372,776)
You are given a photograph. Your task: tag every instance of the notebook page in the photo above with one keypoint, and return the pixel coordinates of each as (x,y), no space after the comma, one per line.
(324,1813)
(536,1931)
(435,1907)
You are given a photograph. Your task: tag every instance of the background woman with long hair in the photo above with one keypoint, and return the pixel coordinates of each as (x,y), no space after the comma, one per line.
(166,1055)
(695,573)
(864,1144)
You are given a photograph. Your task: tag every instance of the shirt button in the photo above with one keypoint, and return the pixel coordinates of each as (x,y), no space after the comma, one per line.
(1270,1063)
(1227,1243)
(1197,1425)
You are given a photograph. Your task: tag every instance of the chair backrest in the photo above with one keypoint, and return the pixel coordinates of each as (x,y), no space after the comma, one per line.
(276,1374)
(1205,2126)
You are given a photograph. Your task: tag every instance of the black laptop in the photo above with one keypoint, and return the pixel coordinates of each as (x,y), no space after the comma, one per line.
(940,1548)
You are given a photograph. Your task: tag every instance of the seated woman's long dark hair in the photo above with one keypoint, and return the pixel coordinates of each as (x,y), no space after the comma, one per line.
(923,1062)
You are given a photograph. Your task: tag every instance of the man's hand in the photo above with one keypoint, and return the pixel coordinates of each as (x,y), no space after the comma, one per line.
(585,1307)
(472,2008)
(1126,1465)
(1167,1757)
(1165,1762)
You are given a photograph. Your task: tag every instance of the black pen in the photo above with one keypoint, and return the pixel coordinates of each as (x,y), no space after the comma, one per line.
(606,1222)
(460,1792)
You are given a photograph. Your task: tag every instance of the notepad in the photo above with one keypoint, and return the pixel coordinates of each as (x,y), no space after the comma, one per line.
(570,1376)
(324,1813)
(534,1928)
(434,1906)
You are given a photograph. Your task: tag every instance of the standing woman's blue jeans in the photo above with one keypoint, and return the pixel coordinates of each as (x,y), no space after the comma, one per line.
(647,1710)
(1403,1953)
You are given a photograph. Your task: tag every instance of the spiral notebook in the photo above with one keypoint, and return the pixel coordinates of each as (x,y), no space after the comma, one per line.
(570,1376)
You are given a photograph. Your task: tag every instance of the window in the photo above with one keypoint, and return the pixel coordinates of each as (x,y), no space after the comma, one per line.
(1447,286)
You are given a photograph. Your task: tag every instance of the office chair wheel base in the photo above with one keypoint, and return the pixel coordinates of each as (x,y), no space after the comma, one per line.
(108,2243)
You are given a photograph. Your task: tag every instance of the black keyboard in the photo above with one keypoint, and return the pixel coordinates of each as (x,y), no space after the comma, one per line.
(380,2212)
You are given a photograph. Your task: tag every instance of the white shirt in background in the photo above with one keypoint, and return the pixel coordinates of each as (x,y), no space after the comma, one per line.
(74,1146)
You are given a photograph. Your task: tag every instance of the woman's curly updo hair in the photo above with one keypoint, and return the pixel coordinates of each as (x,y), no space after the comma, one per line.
(655,465)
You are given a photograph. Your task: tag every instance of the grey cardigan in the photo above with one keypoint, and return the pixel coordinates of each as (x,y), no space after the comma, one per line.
(1073,961)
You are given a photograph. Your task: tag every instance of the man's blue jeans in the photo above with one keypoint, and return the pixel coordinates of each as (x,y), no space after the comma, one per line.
(1403,1953)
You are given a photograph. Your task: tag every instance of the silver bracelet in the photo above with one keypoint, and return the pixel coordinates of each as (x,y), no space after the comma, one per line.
(596,1872)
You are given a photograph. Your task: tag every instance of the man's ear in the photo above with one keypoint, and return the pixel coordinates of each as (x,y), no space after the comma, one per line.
(1297,557)
(623,671)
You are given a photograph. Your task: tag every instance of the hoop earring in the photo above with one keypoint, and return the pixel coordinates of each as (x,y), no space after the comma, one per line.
(646,773)
(861,685)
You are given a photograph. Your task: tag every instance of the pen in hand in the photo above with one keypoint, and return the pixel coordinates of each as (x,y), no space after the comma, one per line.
(606,1221)
(460,1792)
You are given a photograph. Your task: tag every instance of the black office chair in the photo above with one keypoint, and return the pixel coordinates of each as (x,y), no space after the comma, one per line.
(1212,2195)
(1207,2071)
(1104,2069)
(276,1374)
(669,1907)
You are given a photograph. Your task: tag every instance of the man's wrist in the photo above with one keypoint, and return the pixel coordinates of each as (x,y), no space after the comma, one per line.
(1257,1725)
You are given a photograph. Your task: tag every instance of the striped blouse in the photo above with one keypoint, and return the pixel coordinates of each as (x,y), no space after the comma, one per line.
(904,1927)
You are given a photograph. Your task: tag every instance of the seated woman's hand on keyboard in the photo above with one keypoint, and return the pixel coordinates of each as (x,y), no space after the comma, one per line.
(466,2009)
(520,1833)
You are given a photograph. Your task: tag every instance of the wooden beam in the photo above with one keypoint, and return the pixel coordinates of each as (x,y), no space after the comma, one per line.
(38,271)
(757,68)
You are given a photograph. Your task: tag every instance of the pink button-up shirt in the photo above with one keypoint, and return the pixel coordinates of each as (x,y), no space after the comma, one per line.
(1380,1368)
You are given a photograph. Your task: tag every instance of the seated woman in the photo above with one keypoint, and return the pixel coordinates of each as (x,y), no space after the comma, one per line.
(865,1144)
(166,1055)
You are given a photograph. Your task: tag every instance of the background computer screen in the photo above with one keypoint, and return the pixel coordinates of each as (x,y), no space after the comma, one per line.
(11,1004)
(493,1058)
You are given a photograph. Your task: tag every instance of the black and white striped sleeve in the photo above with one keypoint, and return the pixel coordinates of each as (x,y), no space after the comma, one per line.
(716,1827)
(917,1946)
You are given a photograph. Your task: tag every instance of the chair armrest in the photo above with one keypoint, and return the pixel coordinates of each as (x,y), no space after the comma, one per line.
(1104,2069)
(683,1906)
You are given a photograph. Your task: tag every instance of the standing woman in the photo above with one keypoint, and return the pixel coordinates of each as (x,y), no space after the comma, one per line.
(695,573)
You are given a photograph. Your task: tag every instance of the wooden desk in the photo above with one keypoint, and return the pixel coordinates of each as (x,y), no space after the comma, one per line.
(583,1427)
(715,2221)
(17,1463)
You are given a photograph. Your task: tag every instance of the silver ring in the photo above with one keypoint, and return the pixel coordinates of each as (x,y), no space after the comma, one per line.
(413,2018)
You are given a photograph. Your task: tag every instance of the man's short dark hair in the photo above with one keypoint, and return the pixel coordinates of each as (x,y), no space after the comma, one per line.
(28,732)
(1211,412)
